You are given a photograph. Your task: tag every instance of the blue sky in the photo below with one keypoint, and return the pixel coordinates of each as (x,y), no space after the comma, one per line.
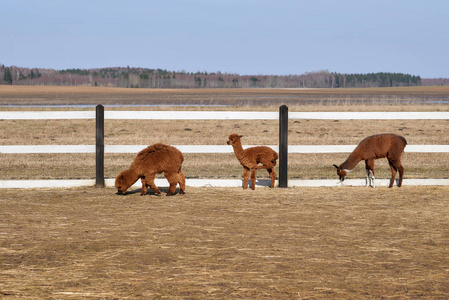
(234,36)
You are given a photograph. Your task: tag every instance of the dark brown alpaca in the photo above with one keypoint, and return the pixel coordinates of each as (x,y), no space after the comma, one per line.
(373,147)
(250,159)
(155,159)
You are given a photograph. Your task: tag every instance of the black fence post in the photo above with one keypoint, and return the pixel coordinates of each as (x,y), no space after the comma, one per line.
(283,146)
(99,121)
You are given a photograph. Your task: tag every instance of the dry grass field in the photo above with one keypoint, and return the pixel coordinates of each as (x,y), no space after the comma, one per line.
(125,132)
(145,132)
(295,243)
(48,95)
(226,243)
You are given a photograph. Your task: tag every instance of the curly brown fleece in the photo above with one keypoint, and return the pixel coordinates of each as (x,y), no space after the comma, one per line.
(251,157)
(155,159)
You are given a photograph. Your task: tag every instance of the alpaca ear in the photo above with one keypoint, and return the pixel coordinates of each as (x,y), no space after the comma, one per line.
(240,136)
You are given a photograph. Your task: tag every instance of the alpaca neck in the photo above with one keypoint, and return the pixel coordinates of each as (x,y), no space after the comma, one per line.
(133,173)
(351,162)
(238,150)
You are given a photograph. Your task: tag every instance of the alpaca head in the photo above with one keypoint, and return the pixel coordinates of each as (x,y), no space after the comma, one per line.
(234,138)
(123,181)
(342,173)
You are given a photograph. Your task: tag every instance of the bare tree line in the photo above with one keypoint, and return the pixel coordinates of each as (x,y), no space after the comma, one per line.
(158,78)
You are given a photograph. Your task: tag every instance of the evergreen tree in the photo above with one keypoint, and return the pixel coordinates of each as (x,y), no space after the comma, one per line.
(7,76)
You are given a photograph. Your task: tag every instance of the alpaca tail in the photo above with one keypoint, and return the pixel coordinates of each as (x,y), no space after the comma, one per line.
(404,140)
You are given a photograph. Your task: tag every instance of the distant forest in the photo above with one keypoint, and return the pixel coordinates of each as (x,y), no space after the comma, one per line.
(158,78)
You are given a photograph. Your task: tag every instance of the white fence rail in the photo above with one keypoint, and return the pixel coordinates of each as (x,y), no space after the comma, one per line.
(221,115)
(20,184)
(381,115)
(211,115)
(298,149)
(140,115)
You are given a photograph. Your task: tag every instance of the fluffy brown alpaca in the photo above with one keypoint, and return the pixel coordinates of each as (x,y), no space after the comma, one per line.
(373,147)
(250,159)
(155,159)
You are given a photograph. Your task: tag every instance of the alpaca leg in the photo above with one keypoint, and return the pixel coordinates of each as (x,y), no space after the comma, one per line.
(272,174)
(182,182)
(149,181)
(367,180)
(144,186)
(369,166)
(172,180)
(253,178)
(245,177)
(393,172)
(371,173)
(398,166)
(401,174)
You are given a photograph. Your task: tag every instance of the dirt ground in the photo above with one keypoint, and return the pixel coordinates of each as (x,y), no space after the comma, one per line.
(226,243)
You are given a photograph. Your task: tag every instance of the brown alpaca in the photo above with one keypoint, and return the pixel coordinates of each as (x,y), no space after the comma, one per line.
(373,147)
(251,157)
(154,159)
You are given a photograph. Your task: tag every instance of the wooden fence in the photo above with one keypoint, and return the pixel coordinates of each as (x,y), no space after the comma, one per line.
(282,148)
